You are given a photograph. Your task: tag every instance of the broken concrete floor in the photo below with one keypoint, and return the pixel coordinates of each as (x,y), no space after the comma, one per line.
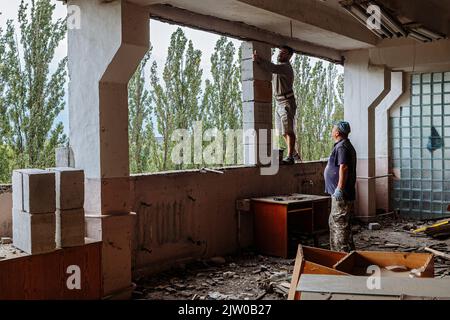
(250,276)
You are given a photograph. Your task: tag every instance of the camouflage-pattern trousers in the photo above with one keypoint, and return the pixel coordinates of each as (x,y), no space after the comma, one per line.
(341,237)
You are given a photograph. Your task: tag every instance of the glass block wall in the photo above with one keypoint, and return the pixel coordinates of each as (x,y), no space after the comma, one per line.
(420,149)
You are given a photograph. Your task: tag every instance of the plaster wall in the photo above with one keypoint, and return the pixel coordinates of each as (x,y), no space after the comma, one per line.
(185,215)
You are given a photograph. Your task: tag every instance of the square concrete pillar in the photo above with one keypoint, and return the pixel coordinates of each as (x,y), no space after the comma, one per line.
(365,88)
(103,55)
(257,103)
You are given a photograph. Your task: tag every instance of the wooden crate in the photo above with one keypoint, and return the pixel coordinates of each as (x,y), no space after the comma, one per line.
(311,260)
(316,261)
(44,276)
(357,262)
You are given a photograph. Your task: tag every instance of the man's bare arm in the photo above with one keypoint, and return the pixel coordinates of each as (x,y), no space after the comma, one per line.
(269,66)
(343,170)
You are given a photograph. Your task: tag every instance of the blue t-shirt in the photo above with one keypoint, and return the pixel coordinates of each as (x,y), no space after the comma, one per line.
(343,153)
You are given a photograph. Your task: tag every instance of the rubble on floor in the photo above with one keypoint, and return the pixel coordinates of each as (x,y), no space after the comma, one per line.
(247,277)
(253,277)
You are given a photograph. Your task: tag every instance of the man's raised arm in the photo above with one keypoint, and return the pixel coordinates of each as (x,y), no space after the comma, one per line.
(269,66)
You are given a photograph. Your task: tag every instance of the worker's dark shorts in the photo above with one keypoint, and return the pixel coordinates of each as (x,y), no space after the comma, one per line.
(285,117)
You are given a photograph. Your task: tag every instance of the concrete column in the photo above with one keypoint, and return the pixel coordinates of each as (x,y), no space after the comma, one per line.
(257,102)
(382,141)
(103,54)
(365,87)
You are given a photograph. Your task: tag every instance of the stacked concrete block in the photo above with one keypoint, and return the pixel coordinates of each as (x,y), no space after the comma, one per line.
(70,225)
(34,210)
(257,101)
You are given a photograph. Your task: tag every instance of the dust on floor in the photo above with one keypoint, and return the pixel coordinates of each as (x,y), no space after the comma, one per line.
(250,276)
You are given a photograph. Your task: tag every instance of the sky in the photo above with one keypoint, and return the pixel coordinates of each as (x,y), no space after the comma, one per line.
(159,38)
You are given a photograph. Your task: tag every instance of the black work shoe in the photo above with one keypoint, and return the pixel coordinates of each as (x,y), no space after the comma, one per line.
(288,160)
(297,158)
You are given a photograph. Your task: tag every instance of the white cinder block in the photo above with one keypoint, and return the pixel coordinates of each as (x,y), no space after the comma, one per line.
(69,228)
(69,187)
(34,233)
(17,190)
(252,71)
(34,191)
(263,50)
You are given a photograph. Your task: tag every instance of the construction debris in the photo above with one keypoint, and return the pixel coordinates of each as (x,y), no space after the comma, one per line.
(438,230)
(256,277)
(438,253)
(6,240)
(374,226)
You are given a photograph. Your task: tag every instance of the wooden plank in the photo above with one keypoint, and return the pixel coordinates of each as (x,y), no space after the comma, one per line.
(438,253)
(357,262)
(323,257)
(390,286)
(346,263)
(296,273)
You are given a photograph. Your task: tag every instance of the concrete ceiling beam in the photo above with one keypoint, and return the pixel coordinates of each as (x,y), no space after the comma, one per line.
(239,30)
(318,14)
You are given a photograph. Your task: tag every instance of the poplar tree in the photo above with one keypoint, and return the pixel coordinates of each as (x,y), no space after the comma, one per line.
(33,96)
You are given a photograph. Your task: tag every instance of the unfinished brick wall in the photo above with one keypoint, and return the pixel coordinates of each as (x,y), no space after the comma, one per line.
(185,215)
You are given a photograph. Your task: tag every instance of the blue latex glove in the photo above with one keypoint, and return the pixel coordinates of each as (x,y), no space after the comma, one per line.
(338,194)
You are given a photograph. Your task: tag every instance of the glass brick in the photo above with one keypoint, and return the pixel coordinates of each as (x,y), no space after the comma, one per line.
(426,89)
(426,110)
(437,121)
(426,77)
(447,98)
(437,77)
(447,76)
(415,78)
(437,88)
(447,87)
(426,174)
(437,109)
(415,132)
(426,99)
(415,100)
(416,89)
(437,98)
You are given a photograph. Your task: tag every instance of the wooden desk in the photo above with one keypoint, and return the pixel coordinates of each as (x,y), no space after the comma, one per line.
(278,218)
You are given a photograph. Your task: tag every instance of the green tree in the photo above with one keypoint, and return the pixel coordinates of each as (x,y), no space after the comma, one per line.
(319,90)
(176,99)
(222,102)
(5,153)
(139,105)
(32,97)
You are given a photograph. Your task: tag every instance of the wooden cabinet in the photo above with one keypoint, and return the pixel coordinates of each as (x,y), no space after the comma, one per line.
(278,220)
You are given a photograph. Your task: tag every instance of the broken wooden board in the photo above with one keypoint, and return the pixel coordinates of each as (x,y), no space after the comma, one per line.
(357,263)
(330,287)
(311,260)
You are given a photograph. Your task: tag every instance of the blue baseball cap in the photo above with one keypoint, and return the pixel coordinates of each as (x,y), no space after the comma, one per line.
(343,127)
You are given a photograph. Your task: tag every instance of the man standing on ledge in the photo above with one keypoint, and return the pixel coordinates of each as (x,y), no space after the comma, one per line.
(282,82)
(340,180)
